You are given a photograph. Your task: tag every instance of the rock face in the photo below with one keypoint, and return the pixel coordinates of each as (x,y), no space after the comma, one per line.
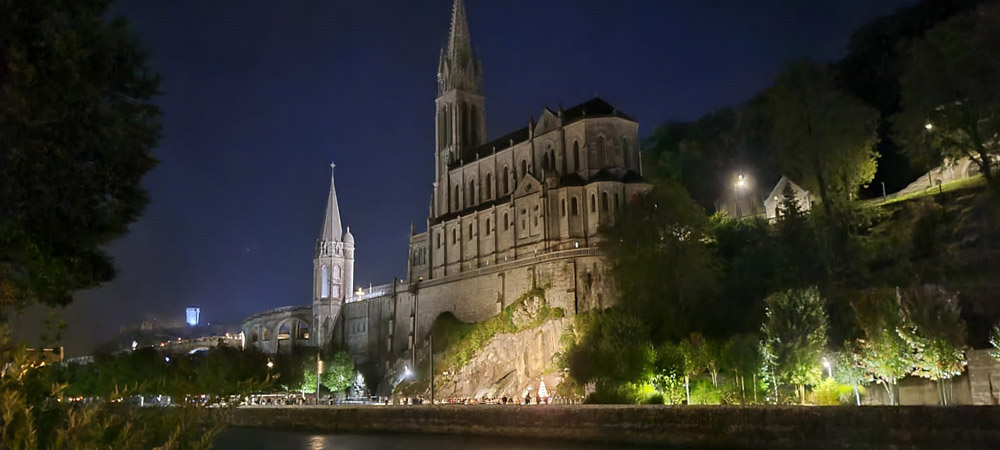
(511,365)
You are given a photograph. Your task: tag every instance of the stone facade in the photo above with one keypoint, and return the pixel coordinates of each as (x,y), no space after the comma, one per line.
(518,212)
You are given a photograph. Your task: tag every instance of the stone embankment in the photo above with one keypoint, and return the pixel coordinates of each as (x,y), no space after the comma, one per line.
(686,427)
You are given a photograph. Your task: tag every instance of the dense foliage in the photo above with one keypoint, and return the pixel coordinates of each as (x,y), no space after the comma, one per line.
(74,107)
(719,309)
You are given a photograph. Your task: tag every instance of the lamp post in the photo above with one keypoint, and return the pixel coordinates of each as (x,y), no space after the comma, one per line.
(319,373)
(829,368)
(430,356)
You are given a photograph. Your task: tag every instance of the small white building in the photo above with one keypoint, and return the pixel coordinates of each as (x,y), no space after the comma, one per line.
(772,203)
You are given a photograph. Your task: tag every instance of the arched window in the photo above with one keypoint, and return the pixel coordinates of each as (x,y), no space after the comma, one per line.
(458,198)
(336,273)
(506,180)
(489,186)
(506,221)
(472,191)
(593,203)
(524,167)
(552,160)
(625,149)
(470,230)
(562,156)
(325,282)
(487,226)
(600,149)
(564,207)
(618,202)
(267,334)
(573,209)
(576,156)
(454,235)
(545,161)
(438,236)
(604,202)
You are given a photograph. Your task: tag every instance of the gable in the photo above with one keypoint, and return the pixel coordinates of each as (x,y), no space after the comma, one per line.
(547,122)
(527,186)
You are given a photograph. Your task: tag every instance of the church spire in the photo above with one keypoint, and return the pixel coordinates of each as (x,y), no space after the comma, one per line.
(459,44)
(459,68)
(332,230)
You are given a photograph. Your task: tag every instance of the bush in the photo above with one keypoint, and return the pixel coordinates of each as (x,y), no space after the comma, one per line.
(653,399)
(705,393)
(829,392)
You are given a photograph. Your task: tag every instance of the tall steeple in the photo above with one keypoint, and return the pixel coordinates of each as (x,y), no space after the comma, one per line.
(332,230)
(458,68)
(460,118)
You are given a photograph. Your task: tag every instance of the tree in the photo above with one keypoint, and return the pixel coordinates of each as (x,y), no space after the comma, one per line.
(742,357)
(74,107)
(798,259)
(848,369)
(795,335)
(881,350)
(338,372)
(950,106)
(822,137)
(612,350)
(936,334)
(665,272)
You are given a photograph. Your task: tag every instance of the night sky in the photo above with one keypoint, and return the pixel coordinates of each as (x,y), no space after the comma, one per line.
(260,96)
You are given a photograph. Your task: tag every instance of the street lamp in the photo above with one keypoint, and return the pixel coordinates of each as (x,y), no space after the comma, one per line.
(740,181)
(319,373)
(270,365)
(829,368)
(928,126)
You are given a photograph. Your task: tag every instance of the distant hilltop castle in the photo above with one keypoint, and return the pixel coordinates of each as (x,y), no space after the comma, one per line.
(520,211)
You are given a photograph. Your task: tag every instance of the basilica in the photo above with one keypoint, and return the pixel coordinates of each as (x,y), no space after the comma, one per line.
(519,211)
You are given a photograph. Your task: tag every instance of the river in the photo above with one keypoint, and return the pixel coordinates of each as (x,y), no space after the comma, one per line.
(269,439)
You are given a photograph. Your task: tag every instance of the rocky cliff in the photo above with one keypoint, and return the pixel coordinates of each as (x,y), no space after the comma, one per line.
(510,365)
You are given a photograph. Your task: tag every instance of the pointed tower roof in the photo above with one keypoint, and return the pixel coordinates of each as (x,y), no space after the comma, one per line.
(459,44)
(332,231)
(459,68)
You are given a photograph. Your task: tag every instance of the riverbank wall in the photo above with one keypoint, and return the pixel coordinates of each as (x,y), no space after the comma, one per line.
(687,426)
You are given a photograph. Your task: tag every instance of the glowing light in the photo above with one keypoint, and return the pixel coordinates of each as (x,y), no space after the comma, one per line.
(166,358)
(193,314)
(406,372)
(134,345)
(740,181)
(270,364)
(829,368)
(928,126)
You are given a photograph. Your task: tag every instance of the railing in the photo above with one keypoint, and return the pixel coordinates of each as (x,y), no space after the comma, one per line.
(277,310)
(374,291)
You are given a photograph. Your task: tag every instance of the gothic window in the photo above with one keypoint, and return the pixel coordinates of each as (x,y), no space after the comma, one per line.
(524,167)
(625,148)
(463,124)
(458,198)
(562,156)
(325,282)
(470,230)
(506,179)
(336,273)
(536,221)
(564,207)
(593,203)
(438,236)
(489,186)
(454,235)
(573,209)
(472,191)
(618,202)
(506,221)
(487,226)
(604,202)
(545,161)
(576,156)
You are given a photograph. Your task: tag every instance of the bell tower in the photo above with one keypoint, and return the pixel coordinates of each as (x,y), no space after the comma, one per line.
(333,270)
(460,113)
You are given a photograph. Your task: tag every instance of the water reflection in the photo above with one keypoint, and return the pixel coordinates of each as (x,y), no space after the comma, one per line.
(264,439)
